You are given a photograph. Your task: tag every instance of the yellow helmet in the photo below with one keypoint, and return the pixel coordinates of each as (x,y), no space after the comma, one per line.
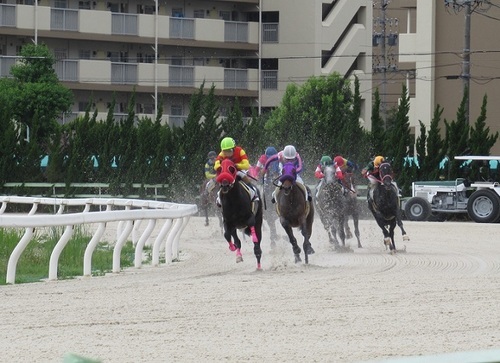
(378,160)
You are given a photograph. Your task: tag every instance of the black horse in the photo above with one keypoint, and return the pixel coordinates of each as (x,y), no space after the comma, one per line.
(240,210)
(294,210)
(352,208)
(332,203)
(384,205)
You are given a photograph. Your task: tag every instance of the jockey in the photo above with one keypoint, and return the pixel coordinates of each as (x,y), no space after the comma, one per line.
(342,166)
(318,173)
(288,154)
(239,157)
(372,173)
(210,172)
(274,168)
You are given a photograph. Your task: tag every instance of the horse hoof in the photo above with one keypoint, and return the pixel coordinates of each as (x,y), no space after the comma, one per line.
(310,251)
(406,238)
(239,259)
(259,267)
(387,241)
(297,259)
(232,247)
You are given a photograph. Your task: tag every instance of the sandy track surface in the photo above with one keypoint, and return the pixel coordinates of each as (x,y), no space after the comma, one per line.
(440,296)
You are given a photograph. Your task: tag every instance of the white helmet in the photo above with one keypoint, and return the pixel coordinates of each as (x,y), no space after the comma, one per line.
(289,152)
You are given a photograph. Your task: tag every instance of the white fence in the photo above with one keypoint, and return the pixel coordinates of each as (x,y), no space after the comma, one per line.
(128,212)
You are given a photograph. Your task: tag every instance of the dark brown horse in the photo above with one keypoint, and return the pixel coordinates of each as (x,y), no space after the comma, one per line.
(385,206)
(241,209)
(294,210)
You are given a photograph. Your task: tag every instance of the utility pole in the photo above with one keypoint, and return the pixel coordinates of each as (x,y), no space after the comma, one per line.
(384,37)
(469,6)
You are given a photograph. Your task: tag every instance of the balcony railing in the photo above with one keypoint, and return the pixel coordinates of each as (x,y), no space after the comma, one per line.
(64,19)
(235,79)
(67,70)
(5,64)
(235,32)
(7,15)
(181,76)
(125,24)
(123,73)
(182,28)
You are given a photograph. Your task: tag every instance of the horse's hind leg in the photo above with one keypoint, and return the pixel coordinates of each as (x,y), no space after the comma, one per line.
(400,224)
(228,233)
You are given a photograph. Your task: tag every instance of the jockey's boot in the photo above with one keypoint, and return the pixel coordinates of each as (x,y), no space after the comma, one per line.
(273,199)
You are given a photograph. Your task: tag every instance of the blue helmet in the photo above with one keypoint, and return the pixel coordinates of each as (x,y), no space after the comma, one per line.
(270,151)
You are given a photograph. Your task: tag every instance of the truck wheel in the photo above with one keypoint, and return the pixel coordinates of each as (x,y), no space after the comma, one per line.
(483,206)
(417,209)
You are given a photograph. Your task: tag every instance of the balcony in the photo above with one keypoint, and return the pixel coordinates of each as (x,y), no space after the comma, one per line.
(88,23)
(105,72)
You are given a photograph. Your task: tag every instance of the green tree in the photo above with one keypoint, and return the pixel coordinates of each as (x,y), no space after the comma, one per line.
(377,134)
(38,92)
(480,140)
(457,140)
(435,153)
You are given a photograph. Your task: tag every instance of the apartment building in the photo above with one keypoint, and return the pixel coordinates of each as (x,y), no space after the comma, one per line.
(428,56)
(165,50)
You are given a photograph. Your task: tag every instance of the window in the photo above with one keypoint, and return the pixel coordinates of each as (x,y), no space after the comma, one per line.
(60,4)
(146,9)
(84,54)
(177,61)
(225,15)
(60,54)
(84,5)
(178,12)
(200,13)
(176,110)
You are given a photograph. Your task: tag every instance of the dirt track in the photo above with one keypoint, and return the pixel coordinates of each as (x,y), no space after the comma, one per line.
(440,296)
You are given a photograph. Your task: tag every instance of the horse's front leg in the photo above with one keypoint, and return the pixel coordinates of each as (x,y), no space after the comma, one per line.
(392,246)
(228,233)
(295,247)
(308,250)
(387,236)
(237,245)
(355,219)
(399,221)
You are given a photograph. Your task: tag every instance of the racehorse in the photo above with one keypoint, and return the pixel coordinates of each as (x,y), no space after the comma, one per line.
(294,210)
(332,204)
(240,210)
(207,203)
(352,208)
(384,206)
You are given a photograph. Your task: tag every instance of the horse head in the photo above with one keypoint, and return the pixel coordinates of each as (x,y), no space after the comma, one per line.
(227,175)
(288,176)
(386,174)
(329,174)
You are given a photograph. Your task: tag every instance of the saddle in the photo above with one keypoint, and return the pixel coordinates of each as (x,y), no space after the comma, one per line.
(252,194)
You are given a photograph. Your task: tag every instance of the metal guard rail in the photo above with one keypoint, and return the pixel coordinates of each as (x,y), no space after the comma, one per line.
(134,211)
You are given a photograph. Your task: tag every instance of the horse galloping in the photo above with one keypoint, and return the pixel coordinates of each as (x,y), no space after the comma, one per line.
(352,209)
(240,210)
(294,210)
(384,205)
(331,204)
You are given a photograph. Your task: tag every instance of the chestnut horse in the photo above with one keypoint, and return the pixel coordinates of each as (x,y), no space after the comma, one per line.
(241,209)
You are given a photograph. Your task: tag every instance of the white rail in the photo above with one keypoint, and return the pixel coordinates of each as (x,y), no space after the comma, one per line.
(128,212)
